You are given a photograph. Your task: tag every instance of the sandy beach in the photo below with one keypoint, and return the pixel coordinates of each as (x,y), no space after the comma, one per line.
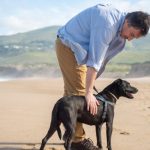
(25,113)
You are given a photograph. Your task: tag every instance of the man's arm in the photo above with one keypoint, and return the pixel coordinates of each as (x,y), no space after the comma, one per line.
(90,99)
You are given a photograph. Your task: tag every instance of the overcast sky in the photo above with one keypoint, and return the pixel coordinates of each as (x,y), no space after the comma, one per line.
(25,15)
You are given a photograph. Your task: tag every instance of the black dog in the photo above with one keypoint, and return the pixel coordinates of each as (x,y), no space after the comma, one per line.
(68,110)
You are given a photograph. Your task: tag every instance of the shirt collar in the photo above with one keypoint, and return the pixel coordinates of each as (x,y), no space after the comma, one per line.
(121,23)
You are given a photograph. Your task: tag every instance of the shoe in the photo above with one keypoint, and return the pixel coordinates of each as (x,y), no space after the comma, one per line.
(86,144)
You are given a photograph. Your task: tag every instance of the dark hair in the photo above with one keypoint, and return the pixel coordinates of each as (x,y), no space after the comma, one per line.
(139,20)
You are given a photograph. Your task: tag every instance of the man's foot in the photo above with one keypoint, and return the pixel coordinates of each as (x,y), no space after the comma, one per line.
(86,144)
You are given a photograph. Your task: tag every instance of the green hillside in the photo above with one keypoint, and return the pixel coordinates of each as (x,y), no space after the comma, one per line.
(44,34)
(36,48)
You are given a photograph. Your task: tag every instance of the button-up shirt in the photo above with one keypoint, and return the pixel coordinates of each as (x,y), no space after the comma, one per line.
(94,35)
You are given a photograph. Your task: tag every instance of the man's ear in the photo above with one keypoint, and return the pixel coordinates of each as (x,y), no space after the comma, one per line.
(128,23)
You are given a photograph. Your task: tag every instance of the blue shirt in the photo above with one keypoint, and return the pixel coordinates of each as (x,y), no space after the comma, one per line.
(94,35)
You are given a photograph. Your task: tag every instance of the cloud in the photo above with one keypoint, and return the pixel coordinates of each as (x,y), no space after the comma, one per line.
(24,20)
(128,5)
(28,18)
(142,5)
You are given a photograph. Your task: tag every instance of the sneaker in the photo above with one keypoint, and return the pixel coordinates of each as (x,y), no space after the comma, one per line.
(86,144)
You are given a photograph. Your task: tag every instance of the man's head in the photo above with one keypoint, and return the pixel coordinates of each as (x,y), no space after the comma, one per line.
(136,25)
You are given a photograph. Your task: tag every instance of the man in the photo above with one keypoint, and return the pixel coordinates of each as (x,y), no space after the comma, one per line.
(85,45)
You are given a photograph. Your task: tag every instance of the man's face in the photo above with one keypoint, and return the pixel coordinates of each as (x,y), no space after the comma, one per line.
(128,32)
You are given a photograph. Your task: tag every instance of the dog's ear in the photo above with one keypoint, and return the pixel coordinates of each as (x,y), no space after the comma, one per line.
(118,81)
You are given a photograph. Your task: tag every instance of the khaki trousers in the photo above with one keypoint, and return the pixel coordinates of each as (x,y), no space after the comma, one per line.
(74,77)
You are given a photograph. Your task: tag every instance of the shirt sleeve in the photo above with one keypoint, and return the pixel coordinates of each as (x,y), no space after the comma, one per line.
(100,38)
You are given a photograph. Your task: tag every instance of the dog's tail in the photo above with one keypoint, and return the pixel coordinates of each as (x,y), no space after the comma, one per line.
(54,125)
(55,122)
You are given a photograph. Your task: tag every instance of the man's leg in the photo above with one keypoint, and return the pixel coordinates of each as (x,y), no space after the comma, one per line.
(74,79)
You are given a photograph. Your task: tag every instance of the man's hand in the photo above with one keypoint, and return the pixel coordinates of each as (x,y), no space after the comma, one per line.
(92,103)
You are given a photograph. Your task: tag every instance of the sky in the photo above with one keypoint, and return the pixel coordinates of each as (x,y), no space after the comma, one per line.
(26,15)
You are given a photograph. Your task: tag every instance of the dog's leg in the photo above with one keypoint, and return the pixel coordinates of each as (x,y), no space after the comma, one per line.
(48,135)
(69,122)
(98,136)
(69,125)
(109,133)
(68,139)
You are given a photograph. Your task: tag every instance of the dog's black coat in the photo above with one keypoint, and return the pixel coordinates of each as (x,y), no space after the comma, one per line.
(68,110)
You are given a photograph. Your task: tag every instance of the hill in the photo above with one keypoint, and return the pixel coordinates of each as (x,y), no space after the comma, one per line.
(36,40)
(32,53)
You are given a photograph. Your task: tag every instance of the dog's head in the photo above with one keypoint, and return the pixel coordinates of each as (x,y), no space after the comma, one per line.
(121,88)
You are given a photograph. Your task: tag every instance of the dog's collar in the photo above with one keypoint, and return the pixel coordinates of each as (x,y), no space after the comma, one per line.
(113,95)
(101,98)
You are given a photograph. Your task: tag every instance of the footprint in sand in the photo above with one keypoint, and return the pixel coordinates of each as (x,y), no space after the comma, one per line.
(53,149)
(125,133)
(122,132)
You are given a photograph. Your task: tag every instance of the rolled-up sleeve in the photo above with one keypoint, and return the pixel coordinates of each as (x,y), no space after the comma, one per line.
(100,38)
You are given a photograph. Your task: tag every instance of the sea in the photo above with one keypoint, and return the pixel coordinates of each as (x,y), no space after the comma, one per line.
(5,79)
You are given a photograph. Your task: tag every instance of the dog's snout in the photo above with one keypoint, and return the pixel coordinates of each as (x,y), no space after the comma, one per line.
(135,90)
